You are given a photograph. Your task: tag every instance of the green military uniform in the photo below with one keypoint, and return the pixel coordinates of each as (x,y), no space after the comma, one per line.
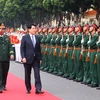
(86,64)
(5,51)
(93,67)
(43,65)
(98,63)
(70,60)
(57,63)
(62,59)
(52,57)
(77,62)
(47,41)
(40,36)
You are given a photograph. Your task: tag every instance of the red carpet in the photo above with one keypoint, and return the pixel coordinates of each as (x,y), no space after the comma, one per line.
(16,91)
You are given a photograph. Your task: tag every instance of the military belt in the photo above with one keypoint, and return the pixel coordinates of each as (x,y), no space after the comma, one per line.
(63,48)
(85,50)
(50,46)
(92,50)
(78,48)
(43,45)
(58,46)
(70,48)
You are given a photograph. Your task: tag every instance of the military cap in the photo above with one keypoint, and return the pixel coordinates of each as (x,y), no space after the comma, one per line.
(87,25)
(94,26)
(80,28)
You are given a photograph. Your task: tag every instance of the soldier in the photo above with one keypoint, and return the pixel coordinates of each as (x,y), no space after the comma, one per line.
(86,64)
(44,52)
(40,33)
(6,53)
(37,31)
(93,51)
(57,51)
(52,49)
(98,58)
(47,41)
(63,58)
(69,51)
(77,50)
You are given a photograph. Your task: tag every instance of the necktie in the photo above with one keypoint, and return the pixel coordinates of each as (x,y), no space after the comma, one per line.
(33,40)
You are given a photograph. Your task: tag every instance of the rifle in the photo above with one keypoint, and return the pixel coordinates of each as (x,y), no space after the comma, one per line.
(74,46)
(60,54)
(95,60)
(65,55)
(88,54)
(81,53)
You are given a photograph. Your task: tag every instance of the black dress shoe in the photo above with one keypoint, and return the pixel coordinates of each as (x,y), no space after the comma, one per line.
(4,88)
(28,91)
(83,83)
(0,90)
(93,85)
(39,92)
(98,88)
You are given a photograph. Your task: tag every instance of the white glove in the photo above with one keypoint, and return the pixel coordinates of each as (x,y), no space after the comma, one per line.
(97,42)
(88,42)
(61,39)
(82,41)
(67,40)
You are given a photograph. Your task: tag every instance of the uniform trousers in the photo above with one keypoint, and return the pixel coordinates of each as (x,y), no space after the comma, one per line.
(4,68)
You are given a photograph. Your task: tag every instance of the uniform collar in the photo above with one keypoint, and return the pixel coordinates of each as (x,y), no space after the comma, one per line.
(1,35)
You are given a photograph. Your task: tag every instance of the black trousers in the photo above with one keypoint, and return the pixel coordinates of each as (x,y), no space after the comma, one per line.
(28,67)
(4,68)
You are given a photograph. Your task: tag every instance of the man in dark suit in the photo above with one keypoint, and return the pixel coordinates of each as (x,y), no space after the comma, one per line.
(31,58)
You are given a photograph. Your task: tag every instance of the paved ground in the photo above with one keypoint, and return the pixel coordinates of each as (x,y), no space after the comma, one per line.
(61,87)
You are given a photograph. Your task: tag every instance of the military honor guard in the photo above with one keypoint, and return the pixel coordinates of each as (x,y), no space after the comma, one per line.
(92,52)
(98,58)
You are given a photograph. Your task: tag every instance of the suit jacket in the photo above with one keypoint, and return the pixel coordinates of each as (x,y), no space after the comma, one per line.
(28,51)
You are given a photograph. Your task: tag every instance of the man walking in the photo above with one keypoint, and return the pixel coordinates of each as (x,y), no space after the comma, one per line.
(6,53)
(31,58)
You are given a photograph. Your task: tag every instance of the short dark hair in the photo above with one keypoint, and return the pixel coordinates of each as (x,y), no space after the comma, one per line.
(30,25)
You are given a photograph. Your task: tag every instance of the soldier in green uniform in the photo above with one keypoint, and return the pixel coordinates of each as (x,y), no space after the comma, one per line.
(52,49)
(47,41)
(43,46)
(77,50)
(93,51)
(63,60)
(69,50)
(57,51)
(98,58)
(6,53)
(86,64)
(40,34)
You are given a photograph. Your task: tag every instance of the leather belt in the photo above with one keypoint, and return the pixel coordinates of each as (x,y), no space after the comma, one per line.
(70,48)
(48,46)
(58,46)
(85,50)
(43,45)
(78,48)
(52,47)
(92,50)
(63,48)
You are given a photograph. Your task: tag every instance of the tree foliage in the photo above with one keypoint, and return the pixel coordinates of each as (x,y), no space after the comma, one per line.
(16,12)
